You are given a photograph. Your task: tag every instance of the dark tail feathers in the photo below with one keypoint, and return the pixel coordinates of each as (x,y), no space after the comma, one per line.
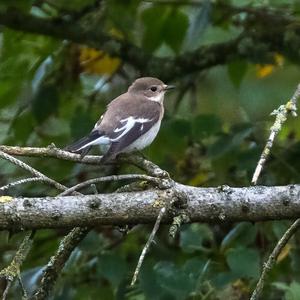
(79,146)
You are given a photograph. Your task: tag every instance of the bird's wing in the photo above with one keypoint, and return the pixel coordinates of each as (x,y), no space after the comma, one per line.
(135,123)
(131,129)
(83,145)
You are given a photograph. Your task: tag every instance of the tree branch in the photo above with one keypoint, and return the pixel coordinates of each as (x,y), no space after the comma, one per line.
(13,270)
(268,265)
(147,246)
(256,42)
(68,243)
(33,171)
(281,116)
(57,262)
(52,151)
(203,205)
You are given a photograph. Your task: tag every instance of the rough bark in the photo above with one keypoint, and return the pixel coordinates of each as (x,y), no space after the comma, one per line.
(223,204)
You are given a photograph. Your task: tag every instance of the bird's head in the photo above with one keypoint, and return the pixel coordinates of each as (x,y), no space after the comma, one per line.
(152,88)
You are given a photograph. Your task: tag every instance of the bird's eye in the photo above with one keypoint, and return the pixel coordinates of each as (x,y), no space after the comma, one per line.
(153,88)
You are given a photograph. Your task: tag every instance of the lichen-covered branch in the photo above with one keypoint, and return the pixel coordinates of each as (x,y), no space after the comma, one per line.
(57,262)
(71,240)
(258,203)
(281,114)
(13,270)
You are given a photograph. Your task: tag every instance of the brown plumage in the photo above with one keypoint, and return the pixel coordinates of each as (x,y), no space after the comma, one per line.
(130,122)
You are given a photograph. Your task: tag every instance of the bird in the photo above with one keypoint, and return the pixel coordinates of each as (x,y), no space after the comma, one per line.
(131,121)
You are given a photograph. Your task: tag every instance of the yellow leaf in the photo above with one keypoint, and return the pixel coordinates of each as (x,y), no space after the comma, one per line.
(284,253)
(4,199)
(95,61)
(265,70)
(279,59)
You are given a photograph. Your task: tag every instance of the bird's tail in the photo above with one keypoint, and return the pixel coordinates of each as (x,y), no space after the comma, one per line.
(83,145)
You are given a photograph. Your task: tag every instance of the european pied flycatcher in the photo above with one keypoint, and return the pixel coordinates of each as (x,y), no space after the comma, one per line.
(131,121)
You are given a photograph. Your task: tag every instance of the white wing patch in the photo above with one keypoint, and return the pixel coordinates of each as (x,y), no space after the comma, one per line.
(102,140)
(129,124)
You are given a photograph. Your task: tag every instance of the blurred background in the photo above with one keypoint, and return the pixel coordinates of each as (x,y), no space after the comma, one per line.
(216,124)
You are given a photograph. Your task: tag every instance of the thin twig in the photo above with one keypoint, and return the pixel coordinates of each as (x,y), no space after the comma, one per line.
(13,270)
(30,169)
(281,115)
(57,262)
(52,151)
(268,265)
(25,295)
(146,247)
(5,293)
(21,181)
(77,234)
(109,178)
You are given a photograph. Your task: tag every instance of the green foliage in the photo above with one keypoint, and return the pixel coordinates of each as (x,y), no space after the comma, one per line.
(170,28)
(237,70)
(192,237)
(215,126)
(291,292)
(244,263)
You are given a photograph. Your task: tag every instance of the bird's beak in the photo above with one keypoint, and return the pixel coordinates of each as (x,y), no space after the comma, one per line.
(169,87)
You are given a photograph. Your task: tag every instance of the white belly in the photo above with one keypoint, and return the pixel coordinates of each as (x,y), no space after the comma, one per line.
(144,140)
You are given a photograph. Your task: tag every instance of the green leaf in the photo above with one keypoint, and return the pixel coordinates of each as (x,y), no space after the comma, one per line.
(153,19)
(123,15)
(9,91)
(45,102)
(112,267)
(292,291)
(172,280)
(280,227)
(163,24)
(172,139)
(20,4)
(200,19)
(244,262)
(175,28)
(23,126)
(81,123)
(149,283)
(237,71)
(196,270)
(242,234)
(93,242)
(228,142)
(204,126)
(192,237)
